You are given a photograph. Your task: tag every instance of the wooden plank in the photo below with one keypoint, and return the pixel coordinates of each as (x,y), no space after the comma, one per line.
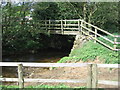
(67,20)
(109,65)
(71,32)
(98,40)
(60,20)
(55,80)
(104,44)
(56,24)
(107,82)
(57,64)
(57,31)
(70,24)
(117,42)
(116,35)
(116,49)
(43,80)
(99,35)
(71,28)
(20,76)
(98,28)
(53,28)
(89,78)
(71,20)
(43,64)
(9,79)
(94,76)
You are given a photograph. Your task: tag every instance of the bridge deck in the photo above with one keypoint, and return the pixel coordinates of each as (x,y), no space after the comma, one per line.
(60,32)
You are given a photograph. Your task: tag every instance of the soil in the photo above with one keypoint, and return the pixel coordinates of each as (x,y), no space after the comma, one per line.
(70,73)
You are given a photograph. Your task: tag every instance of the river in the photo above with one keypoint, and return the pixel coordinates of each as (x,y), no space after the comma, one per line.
(41,57)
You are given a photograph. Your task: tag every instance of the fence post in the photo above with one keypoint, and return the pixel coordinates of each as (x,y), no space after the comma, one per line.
(89,78)
(65,23)
(49,26)
(115,40)
(95,35)
(62,27)
(20,76)
(46,25)
(81,26)
(94,76)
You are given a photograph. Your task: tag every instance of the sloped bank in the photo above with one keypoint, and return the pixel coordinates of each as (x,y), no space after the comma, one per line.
(84,49)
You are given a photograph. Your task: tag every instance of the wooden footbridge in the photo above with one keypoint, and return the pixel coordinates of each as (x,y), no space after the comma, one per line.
(76,27)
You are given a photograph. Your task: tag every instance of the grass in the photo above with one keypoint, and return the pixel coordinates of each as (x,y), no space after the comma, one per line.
(44,87)
(61,86)
(90,51)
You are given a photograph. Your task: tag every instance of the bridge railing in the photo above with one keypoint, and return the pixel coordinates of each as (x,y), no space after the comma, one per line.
(114,42)
(92,74)
(75,27)
(61,26)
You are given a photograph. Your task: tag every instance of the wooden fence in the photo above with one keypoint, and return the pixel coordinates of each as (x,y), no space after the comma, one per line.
(74,27)
(92,79)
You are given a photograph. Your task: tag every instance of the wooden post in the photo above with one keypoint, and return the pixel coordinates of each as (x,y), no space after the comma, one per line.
(49,24)
(65,22)
(81,26)
(94,76)
(49,27)
(115,45)
(62,27)
(46,25)
(89,78)
(20,76)
(95,35)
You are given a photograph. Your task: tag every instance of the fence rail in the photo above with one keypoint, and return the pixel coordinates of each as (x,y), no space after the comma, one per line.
(92,79)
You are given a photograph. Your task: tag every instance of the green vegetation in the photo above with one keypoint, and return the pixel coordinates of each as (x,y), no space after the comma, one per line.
(91,51)
(10,86)
(61,86)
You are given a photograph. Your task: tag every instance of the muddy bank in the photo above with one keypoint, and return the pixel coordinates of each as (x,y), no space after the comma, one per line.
(48,55)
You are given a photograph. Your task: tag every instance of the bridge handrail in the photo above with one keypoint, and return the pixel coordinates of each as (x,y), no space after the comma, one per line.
(63,26)
(115,43)
(98,28)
